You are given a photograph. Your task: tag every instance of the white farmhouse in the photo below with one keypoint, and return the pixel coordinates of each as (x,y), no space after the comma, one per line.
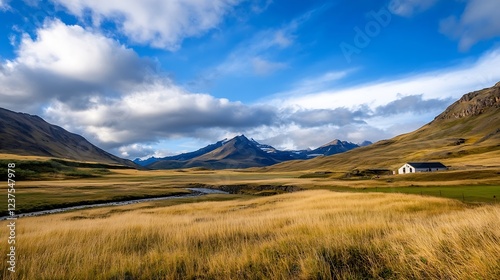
(414,167)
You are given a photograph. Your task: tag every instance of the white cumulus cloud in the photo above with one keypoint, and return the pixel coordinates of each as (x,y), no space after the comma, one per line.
(161,24)
(73,52)
(68,63)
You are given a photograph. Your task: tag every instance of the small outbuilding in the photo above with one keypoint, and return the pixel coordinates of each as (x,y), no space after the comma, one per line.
(414,167)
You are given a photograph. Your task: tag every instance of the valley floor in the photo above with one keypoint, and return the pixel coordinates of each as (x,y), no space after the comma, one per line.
(474,185)
(274,225)
(304,235)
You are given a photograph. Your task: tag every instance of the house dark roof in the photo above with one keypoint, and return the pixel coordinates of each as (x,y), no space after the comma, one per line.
(427,164)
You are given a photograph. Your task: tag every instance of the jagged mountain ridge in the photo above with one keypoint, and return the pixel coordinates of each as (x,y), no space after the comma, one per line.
(473,104)
(241,152)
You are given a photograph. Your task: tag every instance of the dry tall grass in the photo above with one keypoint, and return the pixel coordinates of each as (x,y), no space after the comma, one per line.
(305,235)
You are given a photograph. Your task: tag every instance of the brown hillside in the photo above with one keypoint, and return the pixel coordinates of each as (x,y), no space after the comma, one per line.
(466,133)
(28,135)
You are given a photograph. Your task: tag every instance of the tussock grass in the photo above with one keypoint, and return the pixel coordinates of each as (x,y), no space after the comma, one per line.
(304,235)
(474,194)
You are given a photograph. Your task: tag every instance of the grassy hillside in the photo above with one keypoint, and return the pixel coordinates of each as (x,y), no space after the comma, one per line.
(467,133)
(33,168)
(304,235)
(29,135)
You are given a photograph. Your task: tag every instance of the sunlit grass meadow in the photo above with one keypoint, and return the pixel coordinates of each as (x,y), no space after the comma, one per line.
(303,235)
(469,185)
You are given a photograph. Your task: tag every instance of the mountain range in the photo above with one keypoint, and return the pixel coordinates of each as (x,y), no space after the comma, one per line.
(30,135)
(241,152)
(466,133)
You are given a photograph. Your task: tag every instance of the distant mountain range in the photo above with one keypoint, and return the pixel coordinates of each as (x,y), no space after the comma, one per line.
(241,152)
(24,134)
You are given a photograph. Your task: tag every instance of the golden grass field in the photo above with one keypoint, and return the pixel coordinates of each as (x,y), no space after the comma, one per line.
(325,231)
(120,184)
(304,235)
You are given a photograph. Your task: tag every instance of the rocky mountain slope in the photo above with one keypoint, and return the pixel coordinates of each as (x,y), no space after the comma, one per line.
(473,104)
(238,152)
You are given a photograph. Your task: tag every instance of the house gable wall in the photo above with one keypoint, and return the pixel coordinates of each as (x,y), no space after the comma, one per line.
(408,168)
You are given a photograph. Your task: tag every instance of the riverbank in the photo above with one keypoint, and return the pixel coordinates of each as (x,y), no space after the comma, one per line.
(194,192)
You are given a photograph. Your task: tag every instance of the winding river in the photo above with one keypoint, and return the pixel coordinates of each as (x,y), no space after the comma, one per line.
(194,192)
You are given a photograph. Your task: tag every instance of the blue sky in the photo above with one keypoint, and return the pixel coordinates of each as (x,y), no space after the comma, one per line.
(142,78)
